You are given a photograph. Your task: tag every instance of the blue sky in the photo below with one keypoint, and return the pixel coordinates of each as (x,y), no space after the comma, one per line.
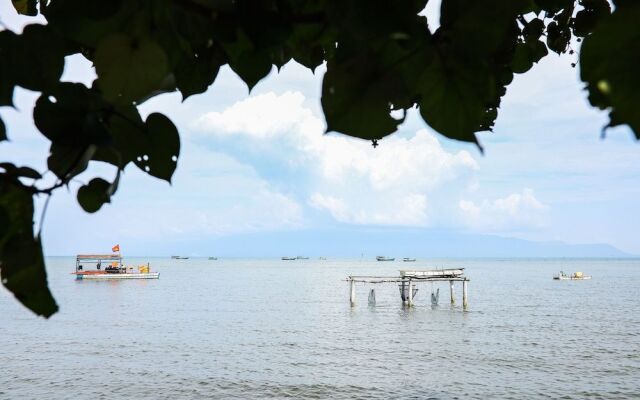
(257,164)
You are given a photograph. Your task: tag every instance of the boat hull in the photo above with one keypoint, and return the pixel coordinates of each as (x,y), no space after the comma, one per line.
(150,275)
(571,278)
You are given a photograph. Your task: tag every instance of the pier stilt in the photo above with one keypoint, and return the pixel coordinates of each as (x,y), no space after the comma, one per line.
(453,296)
(464,294)
(352,296)
(410,294)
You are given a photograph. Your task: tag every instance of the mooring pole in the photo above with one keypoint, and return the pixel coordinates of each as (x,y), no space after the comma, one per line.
(453,296)
(352,296)
(410,294)
(464,294)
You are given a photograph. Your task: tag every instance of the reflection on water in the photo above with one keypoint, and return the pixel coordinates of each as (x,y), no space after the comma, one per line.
(268,328)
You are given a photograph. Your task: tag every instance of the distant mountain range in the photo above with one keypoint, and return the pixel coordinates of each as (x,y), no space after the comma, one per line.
(391,242)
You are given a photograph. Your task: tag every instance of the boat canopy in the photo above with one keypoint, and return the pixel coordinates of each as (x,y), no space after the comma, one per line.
(98,257)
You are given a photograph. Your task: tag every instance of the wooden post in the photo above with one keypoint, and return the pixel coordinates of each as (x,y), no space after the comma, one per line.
(464,294)
(453,296)
(352,296)
(410,294)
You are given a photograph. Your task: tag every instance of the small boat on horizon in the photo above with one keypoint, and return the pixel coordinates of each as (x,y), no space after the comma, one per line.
(179,258)
(213,258)
(383,258)
(288,258)
(576,276)
(302,258)
(407,259)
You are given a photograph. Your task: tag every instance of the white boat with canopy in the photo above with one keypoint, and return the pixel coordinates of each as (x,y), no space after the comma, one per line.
(110,266)
(576,276)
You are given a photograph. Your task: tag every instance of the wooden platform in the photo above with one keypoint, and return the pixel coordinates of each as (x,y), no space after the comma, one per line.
(413,277)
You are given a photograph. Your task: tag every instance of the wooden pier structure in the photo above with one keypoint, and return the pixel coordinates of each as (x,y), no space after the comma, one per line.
(408,280)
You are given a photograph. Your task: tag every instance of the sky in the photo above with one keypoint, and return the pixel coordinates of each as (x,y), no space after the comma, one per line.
(257,165)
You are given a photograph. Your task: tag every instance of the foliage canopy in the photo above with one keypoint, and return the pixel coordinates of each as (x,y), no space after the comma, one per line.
(381,56)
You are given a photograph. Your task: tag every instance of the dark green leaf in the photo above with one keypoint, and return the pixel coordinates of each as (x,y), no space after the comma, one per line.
(534,29)
(67,162)
(558,37)
(21,259)
(162,147)
(251,67)
(88,22)
(129,69)
(454,101)
(527,54)
(26,7)
(20,172)
(374,67)
(584,22)
(128,136)
(194,75)
(37,58)
(94,194)
(7,67)
(249,62)
(356,98)
(71,115)
(609,65)
(5,224)
(461,90)
(553,6)
(3,131)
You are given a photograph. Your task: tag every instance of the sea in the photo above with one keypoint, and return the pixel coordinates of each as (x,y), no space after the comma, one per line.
(267,328)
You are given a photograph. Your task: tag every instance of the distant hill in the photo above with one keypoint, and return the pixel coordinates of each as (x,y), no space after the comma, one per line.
(392,242)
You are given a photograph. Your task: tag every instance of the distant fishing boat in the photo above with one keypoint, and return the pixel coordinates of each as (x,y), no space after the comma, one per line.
(576,276)
(302,258)
(383,258)
(114,268)
(322,258)
(179,258)
(288,258)
(407,259)
(213,258)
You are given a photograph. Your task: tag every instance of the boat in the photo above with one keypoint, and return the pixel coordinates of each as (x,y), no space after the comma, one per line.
(576,276)
(114,268)
(407,259)
(213,258)
(288,258)
(302,258)
(179,258)
(383,258)
(322,258)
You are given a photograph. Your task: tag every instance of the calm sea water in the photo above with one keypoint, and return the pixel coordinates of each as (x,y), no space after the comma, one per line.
(277,329)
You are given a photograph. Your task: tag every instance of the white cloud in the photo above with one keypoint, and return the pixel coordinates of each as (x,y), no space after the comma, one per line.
(409,210)
(264,116)
(219,195)
(353,181)
(513,211)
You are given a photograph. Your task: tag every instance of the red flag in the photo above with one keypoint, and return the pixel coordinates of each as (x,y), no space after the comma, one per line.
(115,248)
